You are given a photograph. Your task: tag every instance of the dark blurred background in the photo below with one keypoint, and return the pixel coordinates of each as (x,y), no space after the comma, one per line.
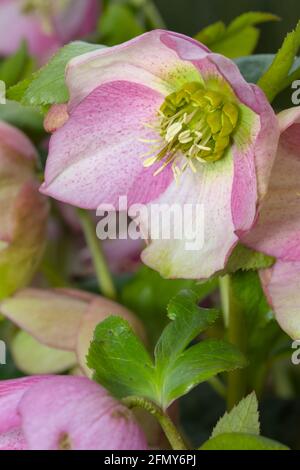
(190,16)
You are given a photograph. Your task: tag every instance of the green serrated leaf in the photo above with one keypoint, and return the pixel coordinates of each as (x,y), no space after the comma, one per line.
(246,259)
(196,365)
(47,86)
(271,82)
(243,418)
(188,321)
(237,441)
(148,292)
(120,360)
(123,366)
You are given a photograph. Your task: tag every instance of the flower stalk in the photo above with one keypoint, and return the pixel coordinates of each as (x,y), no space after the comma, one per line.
(235,323)
(171,432)
(103,274)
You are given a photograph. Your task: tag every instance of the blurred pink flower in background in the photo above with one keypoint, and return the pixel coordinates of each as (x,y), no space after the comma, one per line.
(64,413)
(45,25)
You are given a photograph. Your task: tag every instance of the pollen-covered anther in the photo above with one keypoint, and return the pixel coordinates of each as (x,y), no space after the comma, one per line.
(194,122)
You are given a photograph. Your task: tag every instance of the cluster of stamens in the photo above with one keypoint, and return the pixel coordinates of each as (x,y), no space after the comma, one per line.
(195,122)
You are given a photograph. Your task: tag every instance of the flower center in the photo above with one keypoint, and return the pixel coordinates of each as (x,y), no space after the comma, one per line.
(195,122)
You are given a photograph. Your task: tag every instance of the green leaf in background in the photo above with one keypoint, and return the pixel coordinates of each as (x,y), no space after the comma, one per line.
(123,366)
(240,38)
(47,85)
(246,259)
(120,360)
(275,79)
(16,67)
(243,418)
(237,441)
(118,24)
(28,119)
(148,295)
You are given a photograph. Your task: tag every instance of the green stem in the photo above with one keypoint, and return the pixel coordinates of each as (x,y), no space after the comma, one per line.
(235,322)
(167,425)
(218,386)
(102,272)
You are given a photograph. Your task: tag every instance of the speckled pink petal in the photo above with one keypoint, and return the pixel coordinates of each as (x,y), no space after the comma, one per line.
(277,232)
(13,440)
(76,413)
(11,392)
(147,60)
(97,155)
(281,284)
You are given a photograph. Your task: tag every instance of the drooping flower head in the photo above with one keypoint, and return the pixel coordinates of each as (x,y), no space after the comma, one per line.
(45,25)
(58,326)
(23,212)
(162,120)
(64,413)
(277,232)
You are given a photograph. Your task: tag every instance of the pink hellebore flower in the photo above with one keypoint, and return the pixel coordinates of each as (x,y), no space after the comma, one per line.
(277,232)
(46,25)
(64,413)
(161,119)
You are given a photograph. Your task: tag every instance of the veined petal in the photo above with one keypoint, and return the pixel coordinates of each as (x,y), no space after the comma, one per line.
(277,232)
(67,413)
(97,155)
(52,318)
(209,188)
(148,60)
(11,392)
(281,284)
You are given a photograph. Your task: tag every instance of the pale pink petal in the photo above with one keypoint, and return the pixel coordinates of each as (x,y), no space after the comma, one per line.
(281,284)
(13,440)
(51,317)
(210,189)
(11,392)
(147,60)
(97,155)
(76,413)
(277,232)
(15,140)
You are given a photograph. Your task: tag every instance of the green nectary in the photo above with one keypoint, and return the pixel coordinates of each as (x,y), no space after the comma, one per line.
(197,122)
